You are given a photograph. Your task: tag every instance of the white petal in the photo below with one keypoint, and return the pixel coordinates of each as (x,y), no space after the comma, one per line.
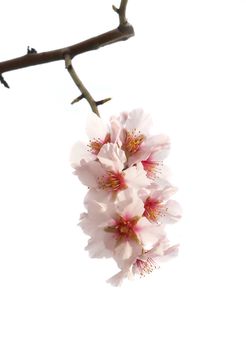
(129,204)
(173,212)
(135,177)
(116,129)
(158,248)
(123,251)
(79,151)
(138,120)
(100,207)
(157,143)
(149,233)
(162,193)
(88,173)
(112,157)
(117,279)
(126,253)
(155,148)
(97,249)
(95,127)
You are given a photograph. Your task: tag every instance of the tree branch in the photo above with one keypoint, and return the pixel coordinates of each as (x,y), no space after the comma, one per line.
(84,92)
(123,32)
(32,58)
(121,12)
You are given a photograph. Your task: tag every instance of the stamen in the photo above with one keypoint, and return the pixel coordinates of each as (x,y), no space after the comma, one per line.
(95,145)
(132,142)
(146,266)
(112,182)
(124,229)
(154,209)
(152,168)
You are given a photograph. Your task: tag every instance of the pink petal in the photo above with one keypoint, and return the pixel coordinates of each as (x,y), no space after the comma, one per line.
(88,173)
(79,151)
(148,233)
(117,279)
(138,120)
(112,157)
(129,204)
(173,212)
(97,249)
(95,127)
(135,177)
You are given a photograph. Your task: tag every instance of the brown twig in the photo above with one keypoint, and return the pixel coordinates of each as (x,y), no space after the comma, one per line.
(32,58)
(85,93)
(123,32)
(122,12)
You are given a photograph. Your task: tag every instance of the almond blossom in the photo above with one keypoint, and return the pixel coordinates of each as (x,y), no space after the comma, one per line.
(146,262)
(99,134)
(128,204)
(158,207)
(118,227)
(109,173)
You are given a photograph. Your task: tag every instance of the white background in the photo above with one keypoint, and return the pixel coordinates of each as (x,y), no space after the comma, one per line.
(186,66)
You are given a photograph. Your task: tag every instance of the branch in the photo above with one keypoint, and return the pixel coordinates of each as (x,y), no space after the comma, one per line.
(123,32)
(85,93)
(3,81)
(121,12)
(32,58)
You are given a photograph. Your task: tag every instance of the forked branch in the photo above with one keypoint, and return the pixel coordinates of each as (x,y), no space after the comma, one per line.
(123,32)
(84,92)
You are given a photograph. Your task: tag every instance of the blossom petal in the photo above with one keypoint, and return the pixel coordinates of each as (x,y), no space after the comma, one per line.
(135,177)
(173,212)
(95,127)
(129,204)
(88,173)
(138,121)
(149,233)
(112,157)
(116,129)
(123,251)
(97,249)
(117,279)
(79,151)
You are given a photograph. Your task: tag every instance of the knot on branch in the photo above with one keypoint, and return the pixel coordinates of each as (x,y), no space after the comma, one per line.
(31,50)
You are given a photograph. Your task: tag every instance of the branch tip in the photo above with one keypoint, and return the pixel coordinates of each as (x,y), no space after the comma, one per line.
(77,99)
(101,102)
(121,11)
(115,9)
(84,92)
(4,82)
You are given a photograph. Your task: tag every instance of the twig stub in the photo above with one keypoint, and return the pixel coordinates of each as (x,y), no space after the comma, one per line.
(3,81)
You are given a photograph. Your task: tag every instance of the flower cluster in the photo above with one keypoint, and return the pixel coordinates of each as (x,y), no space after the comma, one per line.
(128,203)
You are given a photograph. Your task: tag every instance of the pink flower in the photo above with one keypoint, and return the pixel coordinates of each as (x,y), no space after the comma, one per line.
(158,207)
(128,203)
(109,172)
(146,262)
(118,226)
(134,139)
(99,134)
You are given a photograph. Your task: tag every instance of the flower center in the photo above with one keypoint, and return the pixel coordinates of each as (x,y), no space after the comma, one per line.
(153,209)
(132,142)
(125,228)
(95,145)
(145,267)
(151,167)
(112,182)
